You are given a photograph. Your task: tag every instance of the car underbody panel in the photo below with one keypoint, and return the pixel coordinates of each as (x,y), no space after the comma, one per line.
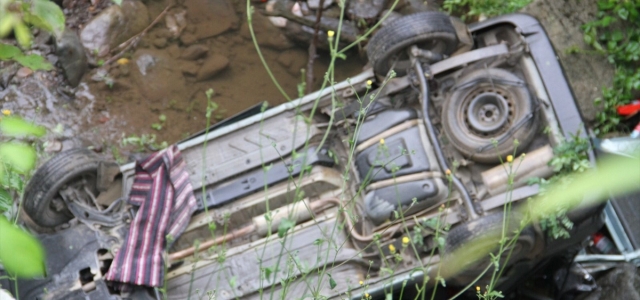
(311,204)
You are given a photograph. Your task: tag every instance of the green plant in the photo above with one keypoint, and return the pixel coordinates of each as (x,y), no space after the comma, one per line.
(143,142)
(488,8)
(616,34)
(31,61)
(21,254)
(158,125)
(571,156)
(17,15)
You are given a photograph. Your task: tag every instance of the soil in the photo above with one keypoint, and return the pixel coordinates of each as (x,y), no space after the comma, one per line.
(233,70)
(587,73)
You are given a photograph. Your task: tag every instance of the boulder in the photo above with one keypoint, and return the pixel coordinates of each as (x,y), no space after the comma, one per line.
(211,17)
(212,66)
(114,25)
(71,56)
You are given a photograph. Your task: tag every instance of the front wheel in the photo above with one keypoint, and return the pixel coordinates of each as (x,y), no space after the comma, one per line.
(71,172)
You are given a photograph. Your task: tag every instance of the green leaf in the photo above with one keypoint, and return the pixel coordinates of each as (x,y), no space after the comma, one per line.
(6,24)
(9,51)
(20,156)
(51,16)
(34,62)
(20,253)
(332,283)
(12,126)
(23,34)
(118,2)
(5,200)
(284,226)
(267,273)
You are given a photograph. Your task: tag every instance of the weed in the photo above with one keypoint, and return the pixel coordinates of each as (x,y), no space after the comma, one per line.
(487,8)
(143,142)
(571,156)
(615,33)
(161,120)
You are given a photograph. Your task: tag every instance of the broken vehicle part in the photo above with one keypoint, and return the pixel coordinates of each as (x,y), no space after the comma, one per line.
(393,170)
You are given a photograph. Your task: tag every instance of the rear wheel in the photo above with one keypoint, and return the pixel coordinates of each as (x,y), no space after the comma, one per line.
(484,233)
(72,173)
(431,31)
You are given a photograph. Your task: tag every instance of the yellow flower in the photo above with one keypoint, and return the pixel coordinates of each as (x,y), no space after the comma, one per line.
(523,155)
(509,158)
(367,296)
(392,249)
(369,83)
(448,172)
(122,61)
(381,141)
(331,33)
(6,112)
(361,282)
(405,240)
(478,288)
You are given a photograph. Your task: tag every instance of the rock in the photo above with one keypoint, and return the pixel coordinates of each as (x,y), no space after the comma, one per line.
(189,68)
(24,72)
(188,38)
(114,25)
(160,43)
(314,4)
(157,74)
(293,60)
(212,66)
(211,17)
(8,69)
(174,50)
(71,56)
(366,9)
(163,33)
(194,52)
(176,22)
(52,146)
(266,33)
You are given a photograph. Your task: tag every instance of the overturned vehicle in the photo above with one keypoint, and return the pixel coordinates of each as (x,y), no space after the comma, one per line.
(356,191)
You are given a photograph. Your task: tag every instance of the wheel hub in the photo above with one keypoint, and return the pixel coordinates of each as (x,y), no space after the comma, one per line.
(487,112)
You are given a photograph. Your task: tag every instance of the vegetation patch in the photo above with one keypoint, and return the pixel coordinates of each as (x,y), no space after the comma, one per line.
(616,33)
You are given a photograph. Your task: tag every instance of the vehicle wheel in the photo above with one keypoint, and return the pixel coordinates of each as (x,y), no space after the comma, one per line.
(484,108)
(489,226)
(431,31)
(71,169)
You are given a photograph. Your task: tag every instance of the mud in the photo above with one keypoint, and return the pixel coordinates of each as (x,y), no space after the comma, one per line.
(180,96)
(106,107)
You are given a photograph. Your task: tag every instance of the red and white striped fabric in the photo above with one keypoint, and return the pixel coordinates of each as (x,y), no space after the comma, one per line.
(163,192)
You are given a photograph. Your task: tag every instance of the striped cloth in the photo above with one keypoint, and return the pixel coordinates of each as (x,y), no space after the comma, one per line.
(162,190)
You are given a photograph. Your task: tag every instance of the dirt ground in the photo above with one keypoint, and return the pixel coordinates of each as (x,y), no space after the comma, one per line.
(587,73)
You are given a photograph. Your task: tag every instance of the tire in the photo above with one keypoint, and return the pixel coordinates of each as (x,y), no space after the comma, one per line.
(428,30)
(42,201)
(489,226)
(474,137)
